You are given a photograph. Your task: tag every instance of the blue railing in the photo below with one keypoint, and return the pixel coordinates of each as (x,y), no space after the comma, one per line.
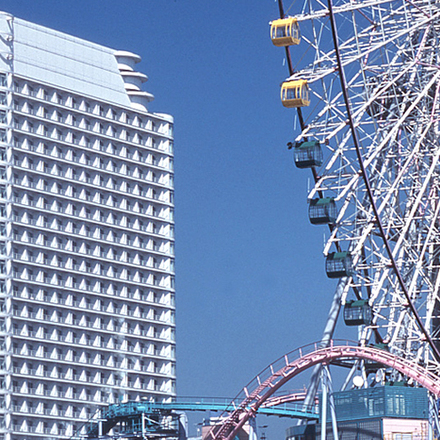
(114,413)
(295,410)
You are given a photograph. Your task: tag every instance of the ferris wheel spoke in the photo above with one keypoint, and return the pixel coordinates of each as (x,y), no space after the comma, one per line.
(394,131)
(312,75)
(416,259)
(404,332)
(385,202)
(377,150)
(359,113)
(416,203)
(347,7)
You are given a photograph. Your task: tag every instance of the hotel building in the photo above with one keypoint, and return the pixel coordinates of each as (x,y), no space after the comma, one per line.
(86,233)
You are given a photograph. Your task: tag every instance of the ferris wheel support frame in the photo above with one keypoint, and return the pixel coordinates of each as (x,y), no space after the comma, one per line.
(436,352)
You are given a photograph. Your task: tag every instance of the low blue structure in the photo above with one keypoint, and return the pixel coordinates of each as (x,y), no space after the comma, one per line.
(390,411)
(142,420)
(384,401)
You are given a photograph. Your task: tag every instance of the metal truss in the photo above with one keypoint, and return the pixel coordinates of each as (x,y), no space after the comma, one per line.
(389,58)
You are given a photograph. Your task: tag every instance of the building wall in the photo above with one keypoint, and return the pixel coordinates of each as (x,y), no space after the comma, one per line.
(354,430)
(68,62)
(86,236)
(376,429)
(243,433)
(398,429)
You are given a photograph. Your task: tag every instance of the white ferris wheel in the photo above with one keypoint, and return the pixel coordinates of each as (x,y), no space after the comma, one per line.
(367,91)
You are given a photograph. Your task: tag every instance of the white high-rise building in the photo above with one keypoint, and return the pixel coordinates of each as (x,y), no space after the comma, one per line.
(86,233)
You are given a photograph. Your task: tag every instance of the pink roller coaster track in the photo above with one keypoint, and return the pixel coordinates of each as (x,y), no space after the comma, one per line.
(263,386)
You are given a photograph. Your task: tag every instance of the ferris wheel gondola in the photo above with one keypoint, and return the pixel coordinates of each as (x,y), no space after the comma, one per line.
(285,32)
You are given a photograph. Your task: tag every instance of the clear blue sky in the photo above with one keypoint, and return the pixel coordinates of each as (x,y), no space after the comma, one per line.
(249,267)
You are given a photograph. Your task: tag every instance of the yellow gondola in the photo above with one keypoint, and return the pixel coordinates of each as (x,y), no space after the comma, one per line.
(285,32)
(295,93)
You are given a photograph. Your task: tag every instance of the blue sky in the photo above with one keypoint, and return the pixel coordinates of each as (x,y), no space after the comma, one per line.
(249,267)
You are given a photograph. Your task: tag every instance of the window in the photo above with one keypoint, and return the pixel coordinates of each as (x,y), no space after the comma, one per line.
(42,111)
(85,124)
(99,110)
(42,93)
(56,134)
(56,98)
(42,130)
(57,116)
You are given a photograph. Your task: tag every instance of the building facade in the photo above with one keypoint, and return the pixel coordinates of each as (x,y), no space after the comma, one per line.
(86,233)
(393,411)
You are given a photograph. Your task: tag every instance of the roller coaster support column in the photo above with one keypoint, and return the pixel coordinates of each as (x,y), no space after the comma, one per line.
(434,425)
(324,407)
(431,418)
(331,400)
(253,429)
(326,338)
(327,402)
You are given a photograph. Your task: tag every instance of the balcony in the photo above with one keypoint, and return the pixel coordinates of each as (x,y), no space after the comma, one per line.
(115,136)
(68,195)
(102,329)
